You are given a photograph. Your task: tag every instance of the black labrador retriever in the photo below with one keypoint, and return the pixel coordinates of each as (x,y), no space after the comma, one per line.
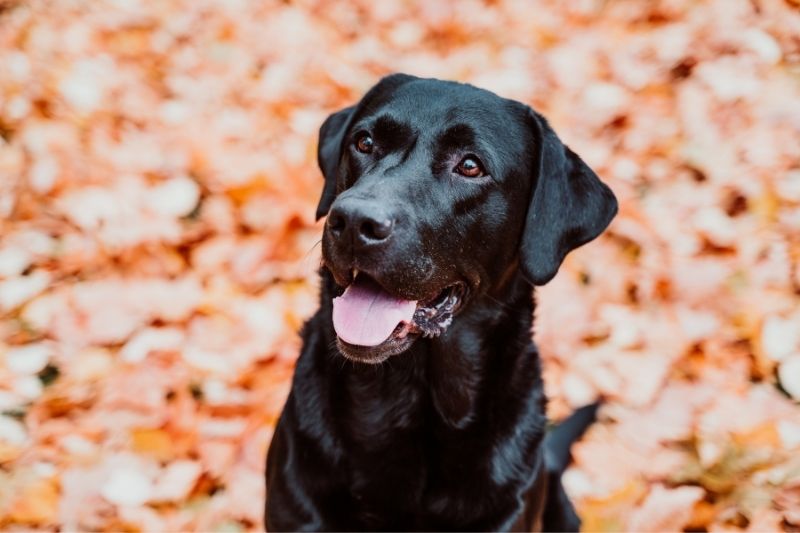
(417,401)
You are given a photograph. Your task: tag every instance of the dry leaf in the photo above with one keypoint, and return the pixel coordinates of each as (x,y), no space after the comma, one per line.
(789,375)
(35,504)
(665,509)
(158,250)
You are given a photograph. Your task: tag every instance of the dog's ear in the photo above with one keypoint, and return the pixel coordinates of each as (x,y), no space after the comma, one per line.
(328,154)
(570,205)
(331,133)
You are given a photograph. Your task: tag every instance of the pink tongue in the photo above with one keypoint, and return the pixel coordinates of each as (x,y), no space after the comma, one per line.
(366,315)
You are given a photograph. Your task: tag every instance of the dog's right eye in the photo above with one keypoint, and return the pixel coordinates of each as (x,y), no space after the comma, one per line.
(364,143)
(470,167)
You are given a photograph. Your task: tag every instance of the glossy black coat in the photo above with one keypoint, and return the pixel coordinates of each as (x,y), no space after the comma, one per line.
(448,434)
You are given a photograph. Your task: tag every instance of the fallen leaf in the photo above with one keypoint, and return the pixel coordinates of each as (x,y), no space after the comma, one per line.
(154,442)
(665,509)
(789,375)
(36,503)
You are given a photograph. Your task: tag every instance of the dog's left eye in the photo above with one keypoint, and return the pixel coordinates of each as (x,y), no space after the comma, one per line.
(470,167)
(364,143)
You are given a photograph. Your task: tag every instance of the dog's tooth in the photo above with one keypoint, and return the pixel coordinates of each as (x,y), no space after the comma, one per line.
(355,273)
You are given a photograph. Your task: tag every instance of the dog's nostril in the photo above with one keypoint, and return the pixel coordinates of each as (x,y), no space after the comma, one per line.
(376,230)
(336,223)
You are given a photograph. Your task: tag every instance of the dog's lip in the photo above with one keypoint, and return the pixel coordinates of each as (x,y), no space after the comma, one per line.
(423,300)
(458,288)
(434,316)
(380,353)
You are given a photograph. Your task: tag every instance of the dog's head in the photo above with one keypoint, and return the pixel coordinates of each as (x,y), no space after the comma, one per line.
(436,193)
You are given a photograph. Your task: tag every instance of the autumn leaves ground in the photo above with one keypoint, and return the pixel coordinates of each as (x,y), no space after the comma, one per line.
(157,247)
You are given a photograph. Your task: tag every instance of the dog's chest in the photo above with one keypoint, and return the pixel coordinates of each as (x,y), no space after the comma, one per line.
(408,468)
(407,477)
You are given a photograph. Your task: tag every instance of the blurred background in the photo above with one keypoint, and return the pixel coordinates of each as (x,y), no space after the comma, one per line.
(158,249)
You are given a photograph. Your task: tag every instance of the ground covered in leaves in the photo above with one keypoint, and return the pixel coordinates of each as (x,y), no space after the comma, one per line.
(157,246)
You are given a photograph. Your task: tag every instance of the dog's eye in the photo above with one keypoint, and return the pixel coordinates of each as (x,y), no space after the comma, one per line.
(470,167)
(364,143)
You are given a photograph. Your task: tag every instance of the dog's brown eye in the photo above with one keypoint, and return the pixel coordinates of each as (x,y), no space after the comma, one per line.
(470,167)
(364,143)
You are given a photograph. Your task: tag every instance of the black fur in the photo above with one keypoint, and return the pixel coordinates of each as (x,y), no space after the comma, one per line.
(446,433)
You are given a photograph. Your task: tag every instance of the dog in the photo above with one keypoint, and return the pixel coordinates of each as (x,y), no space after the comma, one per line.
(417,401)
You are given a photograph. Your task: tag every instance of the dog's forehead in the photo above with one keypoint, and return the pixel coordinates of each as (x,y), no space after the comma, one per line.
(425,103)
(447,116)
(442,96)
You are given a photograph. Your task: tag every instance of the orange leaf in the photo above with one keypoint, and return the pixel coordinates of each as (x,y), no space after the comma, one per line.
(608,514)
(9,452)
(36,503)
(765,434)
(155,442)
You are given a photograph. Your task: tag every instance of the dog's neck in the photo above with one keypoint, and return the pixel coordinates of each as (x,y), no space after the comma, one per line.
(458,360)
(458,369)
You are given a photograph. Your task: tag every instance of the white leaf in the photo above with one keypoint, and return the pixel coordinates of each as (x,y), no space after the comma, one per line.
(176,197)
(16,291)
(779,336)
(12,431)
(177,481)
(150,340)
(127,486)
(29,358)
(789,375)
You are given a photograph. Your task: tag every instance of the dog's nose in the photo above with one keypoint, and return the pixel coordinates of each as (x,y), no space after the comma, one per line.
(365,225)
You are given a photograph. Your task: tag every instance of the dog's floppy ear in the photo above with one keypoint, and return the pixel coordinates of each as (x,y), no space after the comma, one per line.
(332,132)
(328,151)
(570,205)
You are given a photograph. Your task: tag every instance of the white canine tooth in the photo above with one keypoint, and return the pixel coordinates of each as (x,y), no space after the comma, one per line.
(355,273)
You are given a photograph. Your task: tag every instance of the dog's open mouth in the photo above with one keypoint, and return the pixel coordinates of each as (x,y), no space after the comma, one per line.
(367,315)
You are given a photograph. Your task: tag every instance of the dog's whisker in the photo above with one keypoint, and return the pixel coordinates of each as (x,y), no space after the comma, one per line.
(503,305)
(308,253)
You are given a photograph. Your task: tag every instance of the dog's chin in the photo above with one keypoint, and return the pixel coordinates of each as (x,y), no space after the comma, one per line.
(374,355)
